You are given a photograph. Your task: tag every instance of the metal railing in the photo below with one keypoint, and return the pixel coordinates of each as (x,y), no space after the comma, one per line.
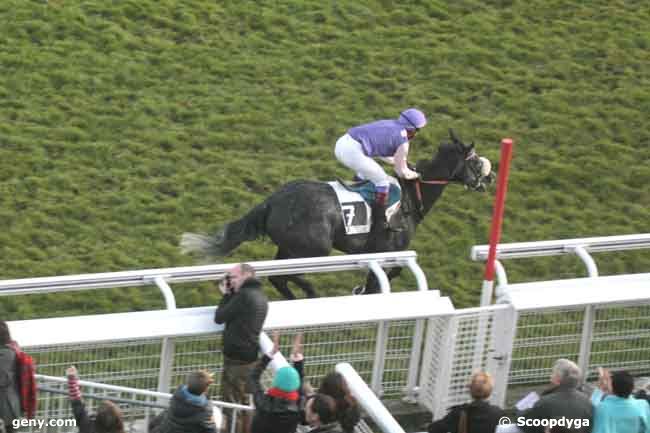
(594,321)
(165,276)
(110,349)
(582,247)
(136,405)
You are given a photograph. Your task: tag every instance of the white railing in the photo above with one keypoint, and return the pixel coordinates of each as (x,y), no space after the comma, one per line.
(592,316)
(594,321)
(368,400)
(135,404)
(335,329)
(165,276)
(581,247)
(162,278)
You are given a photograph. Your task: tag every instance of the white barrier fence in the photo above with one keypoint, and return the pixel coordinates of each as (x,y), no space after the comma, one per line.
(124,349)
(595,321)
(162,278)
(582,247)
(518,341)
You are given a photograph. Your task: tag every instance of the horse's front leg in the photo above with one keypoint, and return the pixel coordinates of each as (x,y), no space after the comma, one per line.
(372,283)
(280,283)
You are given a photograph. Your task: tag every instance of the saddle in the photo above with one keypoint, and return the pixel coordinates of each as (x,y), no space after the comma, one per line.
(367,190)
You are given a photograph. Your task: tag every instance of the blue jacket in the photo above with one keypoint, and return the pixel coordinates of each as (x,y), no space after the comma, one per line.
(615,414)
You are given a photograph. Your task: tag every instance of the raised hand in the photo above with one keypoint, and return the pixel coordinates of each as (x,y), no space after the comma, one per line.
(71,371)
(296,350)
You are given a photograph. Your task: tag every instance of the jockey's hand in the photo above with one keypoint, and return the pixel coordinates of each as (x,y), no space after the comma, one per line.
(410,175)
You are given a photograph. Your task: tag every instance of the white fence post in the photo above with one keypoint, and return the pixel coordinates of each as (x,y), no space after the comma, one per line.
(504,330)
(382,335)
(368,401)
(436,363)
(586,338)
(167,349)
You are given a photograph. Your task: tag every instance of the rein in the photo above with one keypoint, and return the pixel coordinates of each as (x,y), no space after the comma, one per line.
(418,188)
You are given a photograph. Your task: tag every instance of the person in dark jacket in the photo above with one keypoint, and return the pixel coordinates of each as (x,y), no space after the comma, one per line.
(278,409)
(107,419)
(189,410)
(9,392)
(479,416)
(563,399)
(242,310)
(320,412)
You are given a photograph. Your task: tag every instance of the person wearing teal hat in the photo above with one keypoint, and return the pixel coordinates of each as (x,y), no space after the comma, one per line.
(278,409)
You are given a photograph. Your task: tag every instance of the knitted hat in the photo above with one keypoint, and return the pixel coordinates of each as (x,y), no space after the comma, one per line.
(286,379)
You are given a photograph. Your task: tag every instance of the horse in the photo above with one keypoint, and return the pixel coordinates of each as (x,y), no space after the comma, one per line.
(304,218)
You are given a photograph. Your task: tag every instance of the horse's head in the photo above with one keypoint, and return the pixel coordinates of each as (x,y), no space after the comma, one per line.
(460,163)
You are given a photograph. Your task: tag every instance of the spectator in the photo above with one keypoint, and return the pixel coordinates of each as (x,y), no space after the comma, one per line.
(320,413)
(108,418)
(242,310)
(9,389)
(562,399)
(347,409)
(189,411)
(479,416)
(278,409)
(619,413)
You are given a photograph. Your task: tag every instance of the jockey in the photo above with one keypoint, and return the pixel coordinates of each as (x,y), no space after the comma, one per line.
(385,139)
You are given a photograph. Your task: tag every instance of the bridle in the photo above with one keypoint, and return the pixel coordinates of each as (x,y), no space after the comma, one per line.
(418,189)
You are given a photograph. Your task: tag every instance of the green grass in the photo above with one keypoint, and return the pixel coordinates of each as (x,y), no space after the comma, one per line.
(124,124)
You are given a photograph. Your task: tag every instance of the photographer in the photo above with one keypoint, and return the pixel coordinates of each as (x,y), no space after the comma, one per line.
(242,310)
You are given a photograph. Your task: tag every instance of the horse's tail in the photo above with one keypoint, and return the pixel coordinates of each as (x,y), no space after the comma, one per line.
(250,227)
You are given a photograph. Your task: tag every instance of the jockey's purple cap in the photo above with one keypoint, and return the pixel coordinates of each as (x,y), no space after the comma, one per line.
(414,118)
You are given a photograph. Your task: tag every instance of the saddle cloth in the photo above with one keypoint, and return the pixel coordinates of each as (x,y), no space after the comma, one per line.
(355,201)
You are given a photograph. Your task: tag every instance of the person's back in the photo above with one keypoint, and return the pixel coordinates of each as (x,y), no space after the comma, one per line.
(563,400)
(479,416)
(348,413)
(620,412)
(190,410)
(9,394)
(187,413)
(277,409)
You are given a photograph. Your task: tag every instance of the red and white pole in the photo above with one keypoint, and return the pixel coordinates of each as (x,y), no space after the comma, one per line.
(497,220)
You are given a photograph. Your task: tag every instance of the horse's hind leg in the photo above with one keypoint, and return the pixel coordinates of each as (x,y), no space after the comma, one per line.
(280,282)
(305,285)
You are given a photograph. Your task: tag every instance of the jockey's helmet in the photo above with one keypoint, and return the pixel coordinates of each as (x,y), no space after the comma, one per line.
(414,118)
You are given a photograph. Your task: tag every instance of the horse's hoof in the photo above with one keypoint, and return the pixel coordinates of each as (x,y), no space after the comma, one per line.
(359,290)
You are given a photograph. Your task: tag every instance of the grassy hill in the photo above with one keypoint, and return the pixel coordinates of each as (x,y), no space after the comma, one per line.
(126,123)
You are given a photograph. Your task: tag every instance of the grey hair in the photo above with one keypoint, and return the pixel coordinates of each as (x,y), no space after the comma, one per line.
(567,372)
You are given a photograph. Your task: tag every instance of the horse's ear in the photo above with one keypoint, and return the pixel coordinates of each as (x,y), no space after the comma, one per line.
(471,146)
(453,137)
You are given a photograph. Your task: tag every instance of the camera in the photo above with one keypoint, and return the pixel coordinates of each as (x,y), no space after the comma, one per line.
(226,284)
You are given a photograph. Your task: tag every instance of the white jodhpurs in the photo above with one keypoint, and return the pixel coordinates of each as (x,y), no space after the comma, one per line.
(350,153)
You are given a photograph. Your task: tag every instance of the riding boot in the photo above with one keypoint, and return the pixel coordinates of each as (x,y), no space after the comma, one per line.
(378,230)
